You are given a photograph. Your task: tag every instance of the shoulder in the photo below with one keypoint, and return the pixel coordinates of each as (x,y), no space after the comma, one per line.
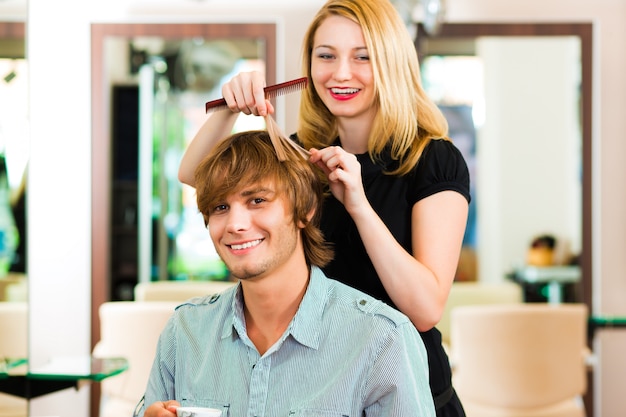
(363,306)
(212,304)
(442,154)
(441,167)
(370,324)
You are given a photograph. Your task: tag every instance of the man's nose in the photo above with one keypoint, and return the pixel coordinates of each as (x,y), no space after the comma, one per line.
(238,219)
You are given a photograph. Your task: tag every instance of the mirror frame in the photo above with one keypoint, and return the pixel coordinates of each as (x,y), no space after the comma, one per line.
(584,31)
(101,130)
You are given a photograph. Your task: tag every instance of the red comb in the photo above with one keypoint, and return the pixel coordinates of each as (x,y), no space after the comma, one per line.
(270,92)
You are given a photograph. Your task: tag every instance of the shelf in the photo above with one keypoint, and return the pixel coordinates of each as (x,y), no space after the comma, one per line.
(547,274)
(61,373)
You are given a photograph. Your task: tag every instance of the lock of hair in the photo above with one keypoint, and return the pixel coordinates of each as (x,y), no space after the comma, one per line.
(281,142)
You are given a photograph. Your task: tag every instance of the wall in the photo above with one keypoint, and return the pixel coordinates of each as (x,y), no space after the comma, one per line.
(59,211)
(59,189)
(609,201)
(13,10)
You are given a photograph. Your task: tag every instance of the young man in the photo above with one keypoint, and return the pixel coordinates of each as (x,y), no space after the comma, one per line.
(287,340)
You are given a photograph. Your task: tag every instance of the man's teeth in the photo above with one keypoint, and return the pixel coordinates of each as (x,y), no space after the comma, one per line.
(344,90)
(246,245)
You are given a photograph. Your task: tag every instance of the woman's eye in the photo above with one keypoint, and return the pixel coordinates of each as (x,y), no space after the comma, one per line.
(325,56)
(363,58)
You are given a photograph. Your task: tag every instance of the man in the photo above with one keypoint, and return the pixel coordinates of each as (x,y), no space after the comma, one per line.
(287,340)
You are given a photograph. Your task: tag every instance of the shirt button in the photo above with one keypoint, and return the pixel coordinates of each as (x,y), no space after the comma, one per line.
(213,298)
(363,302)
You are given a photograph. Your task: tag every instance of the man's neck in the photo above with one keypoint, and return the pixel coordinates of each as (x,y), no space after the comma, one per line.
(270,304)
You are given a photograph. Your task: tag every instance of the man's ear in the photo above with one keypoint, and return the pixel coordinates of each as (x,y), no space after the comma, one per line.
(309,216)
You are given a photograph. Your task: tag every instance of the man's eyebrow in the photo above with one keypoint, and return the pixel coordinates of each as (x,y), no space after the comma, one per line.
(257,190)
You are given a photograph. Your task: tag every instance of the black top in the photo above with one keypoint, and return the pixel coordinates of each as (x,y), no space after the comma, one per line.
(441,168)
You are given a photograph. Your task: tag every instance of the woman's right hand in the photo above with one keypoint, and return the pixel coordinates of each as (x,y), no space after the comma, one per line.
(244,93)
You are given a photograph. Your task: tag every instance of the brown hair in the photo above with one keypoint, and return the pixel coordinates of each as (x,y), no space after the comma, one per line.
(250,157)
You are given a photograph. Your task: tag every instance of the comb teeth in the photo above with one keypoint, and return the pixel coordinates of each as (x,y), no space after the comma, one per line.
(270,92)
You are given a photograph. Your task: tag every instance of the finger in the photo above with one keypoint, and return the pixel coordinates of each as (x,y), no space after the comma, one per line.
(255,95)
(315,155)
(320,164)
(229,96)
(270,108)
(234,92)
(334,162)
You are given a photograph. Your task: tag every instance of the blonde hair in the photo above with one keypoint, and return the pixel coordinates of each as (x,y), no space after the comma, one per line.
(251,157)
(407,119)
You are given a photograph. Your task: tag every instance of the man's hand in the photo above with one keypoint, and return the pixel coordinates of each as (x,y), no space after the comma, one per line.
(162,409)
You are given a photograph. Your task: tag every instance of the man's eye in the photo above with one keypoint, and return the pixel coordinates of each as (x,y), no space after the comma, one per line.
(219,207)
(257,200)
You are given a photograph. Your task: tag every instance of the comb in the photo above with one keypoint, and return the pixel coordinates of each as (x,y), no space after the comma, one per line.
(270,92)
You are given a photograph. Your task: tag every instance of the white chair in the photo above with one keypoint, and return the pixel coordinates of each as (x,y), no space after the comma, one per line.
(129,329)
(178,290)
(476,292)
(525,360)
(13,287)
(13,344)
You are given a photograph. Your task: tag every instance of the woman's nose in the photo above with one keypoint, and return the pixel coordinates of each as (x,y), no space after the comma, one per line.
(343,71)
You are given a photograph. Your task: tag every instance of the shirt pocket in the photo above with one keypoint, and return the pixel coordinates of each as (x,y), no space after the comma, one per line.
(310,412)
(223,406)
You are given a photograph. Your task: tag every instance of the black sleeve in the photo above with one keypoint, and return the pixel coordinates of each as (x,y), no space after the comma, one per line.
(440,168)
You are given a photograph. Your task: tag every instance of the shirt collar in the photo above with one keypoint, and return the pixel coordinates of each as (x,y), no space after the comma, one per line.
(305,327)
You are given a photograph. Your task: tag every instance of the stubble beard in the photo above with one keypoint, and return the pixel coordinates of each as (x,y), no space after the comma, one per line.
(287,246)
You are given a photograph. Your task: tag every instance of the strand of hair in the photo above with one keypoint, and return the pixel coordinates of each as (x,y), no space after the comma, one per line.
(282,142)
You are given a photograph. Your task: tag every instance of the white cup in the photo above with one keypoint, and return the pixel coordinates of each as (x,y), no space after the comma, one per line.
(197,412)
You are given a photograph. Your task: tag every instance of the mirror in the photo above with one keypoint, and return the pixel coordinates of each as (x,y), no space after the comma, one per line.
(149,86)
(14,144)
(512,201)
(14,157)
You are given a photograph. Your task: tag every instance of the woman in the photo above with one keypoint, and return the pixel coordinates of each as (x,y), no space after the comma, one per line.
(400,188)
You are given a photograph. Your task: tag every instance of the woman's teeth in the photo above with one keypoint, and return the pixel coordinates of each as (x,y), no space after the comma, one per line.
(344,90)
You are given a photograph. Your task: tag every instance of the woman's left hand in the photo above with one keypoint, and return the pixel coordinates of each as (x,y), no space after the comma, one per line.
(343,171)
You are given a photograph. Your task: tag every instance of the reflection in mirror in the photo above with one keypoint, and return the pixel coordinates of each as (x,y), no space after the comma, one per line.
(516,98)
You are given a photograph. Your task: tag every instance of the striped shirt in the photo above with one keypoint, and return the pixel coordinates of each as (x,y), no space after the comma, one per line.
(343,354)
